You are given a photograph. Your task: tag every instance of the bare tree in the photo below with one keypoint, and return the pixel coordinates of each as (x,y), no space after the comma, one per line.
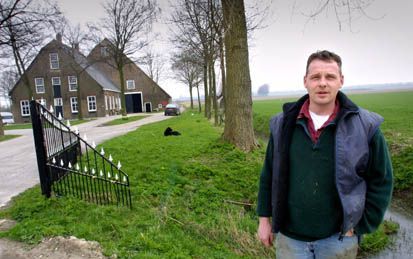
(345,12)
(126,26)
(24,27)
(188,70)
(8,78)
(153,64)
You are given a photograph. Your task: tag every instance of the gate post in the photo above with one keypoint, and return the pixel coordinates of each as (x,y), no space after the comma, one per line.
(44,176)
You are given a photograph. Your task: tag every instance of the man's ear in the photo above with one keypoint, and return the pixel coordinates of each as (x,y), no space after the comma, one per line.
(305,81)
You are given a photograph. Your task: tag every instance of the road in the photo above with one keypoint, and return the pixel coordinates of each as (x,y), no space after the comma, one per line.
(18,164)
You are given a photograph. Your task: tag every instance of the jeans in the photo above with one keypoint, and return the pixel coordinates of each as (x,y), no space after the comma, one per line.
(327,248)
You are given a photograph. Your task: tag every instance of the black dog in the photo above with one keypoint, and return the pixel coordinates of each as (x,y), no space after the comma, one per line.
(169,132)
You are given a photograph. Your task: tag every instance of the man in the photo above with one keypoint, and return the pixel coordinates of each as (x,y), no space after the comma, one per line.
(327,175)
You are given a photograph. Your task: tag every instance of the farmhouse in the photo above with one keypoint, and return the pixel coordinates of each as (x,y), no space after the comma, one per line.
(62,77)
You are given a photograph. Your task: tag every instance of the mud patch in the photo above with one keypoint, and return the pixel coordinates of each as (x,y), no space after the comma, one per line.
(6,224)
(53,248)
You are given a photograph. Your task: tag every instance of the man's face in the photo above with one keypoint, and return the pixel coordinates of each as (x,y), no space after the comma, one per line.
(323,81)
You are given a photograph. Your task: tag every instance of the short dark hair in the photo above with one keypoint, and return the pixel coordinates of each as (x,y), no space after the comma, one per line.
(324,55)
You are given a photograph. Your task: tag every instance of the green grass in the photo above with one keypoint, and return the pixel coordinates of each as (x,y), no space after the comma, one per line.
(7,137)
(29,125)
(18,126)
(374,243)
(180,185)
(123,120)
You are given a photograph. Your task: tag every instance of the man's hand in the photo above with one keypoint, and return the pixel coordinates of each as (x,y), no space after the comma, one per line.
(264,231)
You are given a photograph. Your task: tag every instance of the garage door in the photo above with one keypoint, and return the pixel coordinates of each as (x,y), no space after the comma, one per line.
(133,103)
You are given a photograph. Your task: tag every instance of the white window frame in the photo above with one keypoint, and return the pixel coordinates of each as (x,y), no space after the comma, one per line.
(132,86)
(150,104)
(25,108)
(56,77)
(106,103)
(110,103)
(71,84)
(91,101)
(73,103)
(54,60)
(58,101)
(39,85)
(119,104)
(113,101)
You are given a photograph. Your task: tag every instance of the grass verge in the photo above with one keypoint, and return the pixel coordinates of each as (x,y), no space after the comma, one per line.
(18,126)
(124,120)
(7,137)
(376,242)
(29,125)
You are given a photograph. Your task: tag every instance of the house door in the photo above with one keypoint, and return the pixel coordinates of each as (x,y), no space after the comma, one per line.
(57,94)
(58,106)
(148,107)
(133,103)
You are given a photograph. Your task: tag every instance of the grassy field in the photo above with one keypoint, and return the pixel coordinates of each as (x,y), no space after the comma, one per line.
(186,193)
(183,191)
(124,120)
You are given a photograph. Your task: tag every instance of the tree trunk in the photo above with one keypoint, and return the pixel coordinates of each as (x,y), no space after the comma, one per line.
(122,90)
(206,97)
(190,94)
(211,88)
(199,99)
(222,67)
(214,90)
(238,128)
(1,126)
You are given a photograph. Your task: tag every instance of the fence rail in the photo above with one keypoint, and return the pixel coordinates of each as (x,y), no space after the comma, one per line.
(69,165)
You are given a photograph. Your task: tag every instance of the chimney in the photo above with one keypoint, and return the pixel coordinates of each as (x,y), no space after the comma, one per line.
(59,37)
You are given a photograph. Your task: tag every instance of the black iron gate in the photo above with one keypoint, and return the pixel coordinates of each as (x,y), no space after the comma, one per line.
(68,165)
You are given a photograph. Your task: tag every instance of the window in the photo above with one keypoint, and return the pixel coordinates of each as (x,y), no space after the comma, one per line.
(130,84)
(110,103)
(56,87)
(119,102)
(54,61)
(91,103)
(104,51)
(55,80)
(113,101)
(25,107)
(72,83)
(58,102)
(106,102)
(39,83)
(73,104)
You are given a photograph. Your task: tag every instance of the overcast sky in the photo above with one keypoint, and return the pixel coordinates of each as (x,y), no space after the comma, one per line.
(373,51)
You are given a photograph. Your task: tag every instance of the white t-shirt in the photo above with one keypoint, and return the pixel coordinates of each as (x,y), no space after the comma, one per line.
(318,120)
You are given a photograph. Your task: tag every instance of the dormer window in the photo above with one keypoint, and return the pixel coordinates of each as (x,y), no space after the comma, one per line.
(54,61)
